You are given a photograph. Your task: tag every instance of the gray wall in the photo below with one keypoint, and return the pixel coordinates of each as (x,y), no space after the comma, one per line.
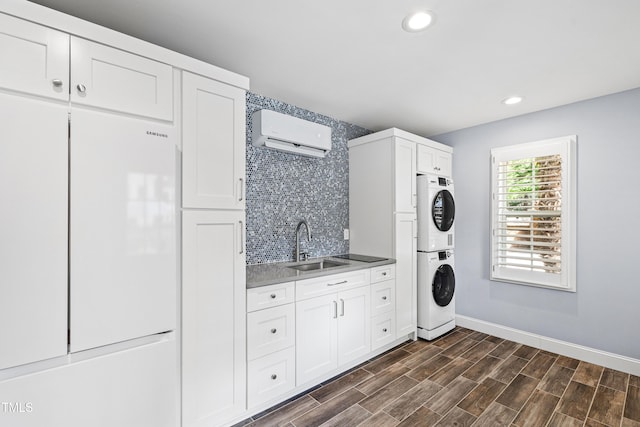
(283,188)
(604,313)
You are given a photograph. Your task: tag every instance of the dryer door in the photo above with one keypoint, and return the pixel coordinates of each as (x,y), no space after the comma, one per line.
(443,286)
(443,210)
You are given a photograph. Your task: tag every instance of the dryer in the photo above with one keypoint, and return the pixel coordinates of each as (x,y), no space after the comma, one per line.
(436,213)
(436,293)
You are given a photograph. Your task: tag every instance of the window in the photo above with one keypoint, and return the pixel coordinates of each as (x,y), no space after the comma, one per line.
(533,211)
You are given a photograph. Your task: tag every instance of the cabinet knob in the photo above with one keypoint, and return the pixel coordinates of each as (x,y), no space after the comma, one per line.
(384,273)
(274,376)
(384,298)
(56,82)
(273,296)
(384,330)
(274,330)
(81,88)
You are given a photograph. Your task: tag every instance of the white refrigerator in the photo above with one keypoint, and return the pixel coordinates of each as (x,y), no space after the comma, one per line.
(122,228)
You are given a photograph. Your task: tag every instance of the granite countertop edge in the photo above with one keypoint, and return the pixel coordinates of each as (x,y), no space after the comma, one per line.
(279,272)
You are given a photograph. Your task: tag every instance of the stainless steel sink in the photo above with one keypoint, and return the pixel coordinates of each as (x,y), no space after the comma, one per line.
(321,265)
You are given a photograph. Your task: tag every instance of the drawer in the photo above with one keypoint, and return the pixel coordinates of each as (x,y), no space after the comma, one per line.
(310,288)
(383,297)
(270,330)
(383,329)
(270,296)
(384,272)
(270,376)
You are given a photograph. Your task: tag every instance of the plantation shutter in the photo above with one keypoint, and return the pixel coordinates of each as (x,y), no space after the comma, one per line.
(533,214)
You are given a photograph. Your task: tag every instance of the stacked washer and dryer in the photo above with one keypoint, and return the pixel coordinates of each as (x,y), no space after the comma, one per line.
(436,277)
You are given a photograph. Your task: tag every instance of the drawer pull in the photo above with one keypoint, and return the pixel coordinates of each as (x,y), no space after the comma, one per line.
(274,376)
(56,82)
(384,273)
(384,330)
(384,298)
(273,296)
(274,330)
(339,283)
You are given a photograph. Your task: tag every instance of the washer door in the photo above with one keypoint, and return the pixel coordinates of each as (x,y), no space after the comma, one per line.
(443,210)
(443,286)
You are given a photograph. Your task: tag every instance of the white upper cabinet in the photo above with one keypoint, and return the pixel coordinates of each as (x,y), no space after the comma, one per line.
(213,170)
(35,59)
(109,78)
(405,175)
(434,161)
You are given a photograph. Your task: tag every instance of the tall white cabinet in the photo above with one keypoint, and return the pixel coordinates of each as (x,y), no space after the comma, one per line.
(213,252)
(382,210)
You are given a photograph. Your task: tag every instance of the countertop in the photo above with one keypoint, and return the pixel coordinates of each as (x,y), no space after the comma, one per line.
(279,272)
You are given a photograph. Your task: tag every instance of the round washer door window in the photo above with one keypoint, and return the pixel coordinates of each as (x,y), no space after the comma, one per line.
(444,284)
(443,210)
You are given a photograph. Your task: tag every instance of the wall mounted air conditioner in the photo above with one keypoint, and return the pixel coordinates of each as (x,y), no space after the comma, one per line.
(287,133)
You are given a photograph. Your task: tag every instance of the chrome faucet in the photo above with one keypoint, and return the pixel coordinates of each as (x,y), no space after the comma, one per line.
(299,255)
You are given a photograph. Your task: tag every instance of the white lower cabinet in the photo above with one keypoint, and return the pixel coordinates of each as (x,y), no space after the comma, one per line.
(331,329)
(383,306)
(271,356)
(270,330)
(302,332)
(354,333)
(383,329)
(406,277)
(271,376)
(213,317)
(316,337)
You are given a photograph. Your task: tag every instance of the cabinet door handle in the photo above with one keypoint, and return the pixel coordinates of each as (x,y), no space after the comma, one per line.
(274,376)
(384,273)
(335,309)
(341,307)
(384,330)
(56,82)
(273,296)
(384,298)
(241,192)
(339,283)
(274,330)
(241,237)
(81,88)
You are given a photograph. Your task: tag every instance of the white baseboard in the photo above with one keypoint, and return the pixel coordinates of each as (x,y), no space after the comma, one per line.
(591,355)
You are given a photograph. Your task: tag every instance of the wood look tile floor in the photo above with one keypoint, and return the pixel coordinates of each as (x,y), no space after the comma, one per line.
(466,378)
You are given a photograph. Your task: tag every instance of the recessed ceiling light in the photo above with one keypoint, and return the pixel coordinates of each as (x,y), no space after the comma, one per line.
(418,21)
(512,100)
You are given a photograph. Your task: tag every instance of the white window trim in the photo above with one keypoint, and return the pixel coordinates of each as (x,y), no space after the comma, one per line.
(566,147)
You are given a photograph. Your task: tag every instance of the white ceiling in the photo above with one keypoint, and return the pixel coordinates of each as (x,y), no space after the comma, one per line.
(350,59)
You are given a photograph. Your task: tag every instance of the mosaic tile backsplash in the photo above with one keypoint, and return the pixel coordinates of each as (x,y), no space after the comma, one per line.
(284,188)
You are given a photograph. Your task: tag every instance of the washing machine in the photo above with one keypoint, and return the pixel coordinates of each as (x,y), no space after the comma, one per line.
(436,213)
(436,293)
